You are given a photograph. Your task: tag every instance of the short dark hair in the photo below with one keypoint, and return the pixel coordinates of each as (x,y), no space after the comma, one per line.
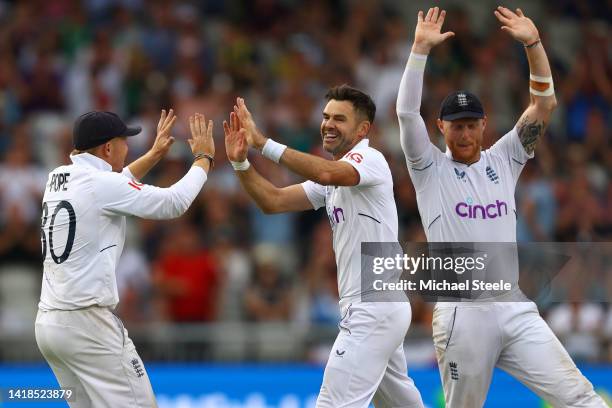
(361,101)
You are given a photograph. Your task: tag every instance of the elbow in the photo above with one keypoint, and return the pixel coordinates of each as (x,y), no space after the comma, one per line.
(271,205)
(179,208)
(267,210)
(324,178)
(546,105)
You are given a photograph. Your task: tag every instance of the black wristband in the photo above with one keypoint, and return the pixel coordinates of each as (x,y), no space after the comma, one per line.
(205,156)
(533,44)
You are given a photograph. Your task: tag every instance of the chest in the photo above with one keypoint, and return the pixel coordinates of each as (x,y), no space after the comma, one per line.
(336,205)
(481,191)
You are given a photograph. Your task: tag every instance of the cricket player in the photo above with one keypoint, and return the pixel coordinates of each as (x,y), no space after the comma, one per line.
(467,195)
(83,232)
(367,361)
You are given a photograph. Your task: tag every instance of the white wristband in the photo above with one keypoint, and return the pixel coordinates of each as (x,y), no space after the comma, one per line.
(273,150)
(417,61)
(537,78)
(241,166)
(549,92)
(544,80)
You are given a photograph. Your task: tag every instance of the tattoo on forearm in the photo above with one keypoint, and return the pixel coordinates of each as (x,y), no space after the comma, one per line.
(528,132)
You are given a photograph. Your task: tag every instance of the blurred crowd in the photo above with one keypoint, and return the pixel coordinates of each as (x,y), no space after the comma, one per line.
(227,261)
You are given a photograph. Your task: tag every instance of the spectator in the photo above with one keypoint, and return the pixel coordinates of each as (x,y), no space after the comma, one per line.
(185,277)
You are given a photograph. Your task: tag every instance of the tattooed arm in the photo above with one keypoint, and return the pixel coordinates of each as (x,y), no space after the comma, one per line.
(532,123)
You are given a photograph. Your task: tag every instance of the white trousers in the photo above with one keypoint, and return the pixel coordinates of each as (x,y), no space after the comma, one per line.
(89,350)
(367,362)
(472,339)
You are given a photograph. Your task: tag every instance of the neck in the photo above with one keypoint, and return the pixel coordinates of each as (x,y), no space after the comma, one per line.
(339,155)
(469,161)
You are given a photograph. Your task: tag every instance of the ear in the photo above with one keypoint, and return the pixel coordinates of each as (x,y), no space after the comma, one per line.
(484,123)
(364,128)
(440,125)
(107,149)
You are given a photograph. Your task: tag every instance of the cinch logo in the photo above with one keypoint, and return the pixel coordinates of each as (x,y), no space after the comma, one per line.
(334,215)
(337,212)
(474,211)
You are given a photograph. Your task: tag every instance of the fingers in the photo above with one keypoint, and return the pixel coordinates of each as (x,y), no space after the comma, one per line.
(447,35)
(209,129)
(442,17)
(170,123)
(162,118)
(420,16)
(429,14)
(202,124)
(501,18)
(233,121)
(519,12)
(168,118)
(434,16)
(168,142)
(192,127)
(226,130)
(506,12)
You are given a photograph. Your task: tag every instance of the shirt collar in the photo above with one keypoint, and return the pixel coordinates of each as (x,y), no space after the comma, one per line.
(365,142)
(449,154)
(89,160)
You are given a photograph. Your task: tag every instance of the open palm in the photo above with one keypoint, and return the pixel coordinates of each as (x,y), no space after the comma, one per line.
(236,145)
(517,24)
(428,29)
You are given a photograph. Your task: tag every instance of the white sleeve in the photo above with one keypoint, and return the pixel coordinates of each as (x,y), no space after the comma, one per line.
(413,132)
(510,148)
(315,193)
(371,165)
(117,194)
(127,173)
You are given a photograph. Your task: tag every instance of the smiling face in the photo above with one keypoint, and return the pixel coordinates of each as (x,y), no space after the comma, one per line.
(463,137)
(342,127)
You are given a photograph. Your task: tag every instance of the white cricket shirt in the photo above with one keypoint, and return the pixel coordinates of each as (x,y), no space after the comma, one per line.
(83,227)
(458,202)
(362,213)
(469,203)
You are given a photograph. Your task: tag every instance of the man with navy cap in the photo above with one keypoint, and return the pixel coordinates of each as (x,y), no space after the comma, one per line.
(82,235)
(466,195)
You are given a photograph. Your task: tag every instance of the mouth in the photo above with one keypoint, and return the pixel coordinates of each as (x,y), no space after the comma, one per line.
(330,137)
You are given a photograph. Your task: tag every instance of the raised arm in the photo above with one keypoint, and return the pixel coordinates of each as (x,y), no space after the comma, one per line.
(269,198)
(317,169)
(117,194)
(413,133)
(532,123)
(141,166)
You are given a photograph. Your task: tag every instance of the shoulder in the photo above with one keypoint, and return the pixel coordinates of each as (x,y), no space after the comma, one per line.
(106,182)
(366,154)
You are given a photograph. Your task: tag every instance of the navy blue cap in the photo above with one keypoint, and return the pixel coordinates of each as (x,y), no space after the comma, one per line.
(95,128)
(461,104)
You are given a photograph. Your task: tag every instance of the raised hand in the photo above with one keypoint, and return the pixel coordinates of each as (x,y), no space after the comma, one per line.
(520,27)
(164,138)
(428,31)
(201,135)
(236,145)
(253,137)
